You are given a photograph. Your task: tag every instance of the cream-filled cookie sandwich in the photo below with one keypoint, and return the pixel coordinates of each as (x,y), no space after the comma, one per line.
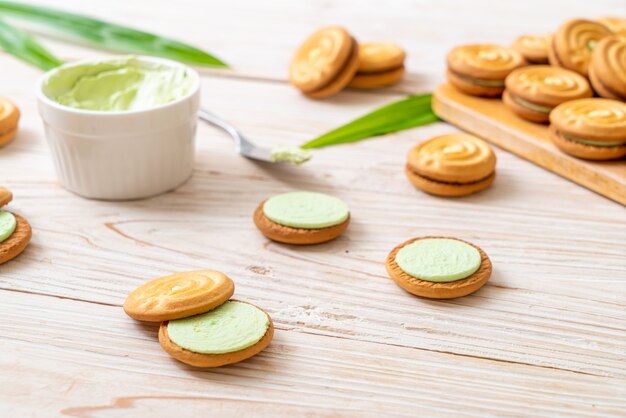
(451,165)
(438,267)
(15,231)
(381,64)
(532,92)
(607,71)
(480,69)
(533,48)
(302,218)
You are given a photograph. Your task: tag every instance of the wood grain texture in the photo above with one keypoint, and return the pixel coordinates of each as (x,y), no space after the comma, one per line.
(546,336)
(492,120)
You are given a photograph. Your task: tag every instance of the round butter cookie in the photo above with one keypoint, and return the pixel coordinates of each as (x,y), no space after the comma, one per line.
(607,70)
(9,118)
(533,48)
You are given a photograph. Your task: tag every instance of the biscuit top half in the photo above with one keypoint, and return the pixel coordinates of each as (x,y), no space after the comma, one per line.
(453,158)
(547,85)
(484,61)
(600,119)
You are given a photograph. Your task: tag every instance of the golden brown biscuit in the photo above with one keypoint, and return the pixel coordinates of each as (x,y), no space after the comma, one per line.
(17,242)
(213,360)
(5,196)
(532,92)
(451,165)
(593,129)
(607,70)
(573,43)
(377,80)
(9,118)
(480,69)
(325,63)
(615,24)
(297,236)
(179,295)
(533,48)
(438,290)
(377,57)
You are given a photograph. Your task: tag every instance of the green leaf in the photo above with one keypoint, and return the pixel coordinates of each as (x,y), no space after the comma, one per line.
(109,35)
(404,114)
(22,46)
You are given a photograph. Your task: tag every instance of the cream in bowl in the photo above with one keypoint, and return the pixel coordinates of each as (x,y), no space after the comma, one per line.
(121,128)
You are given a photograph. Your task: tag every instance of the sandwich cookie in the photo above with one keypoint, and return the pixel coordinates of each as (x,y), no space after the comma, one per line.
(325,63)
(615,24)
(451,165)
(532,92)
(533,48)
(9,118)
(302,218)
(607,71)
(15,231)
(179,295)
(480,70)
(438,267)
(228,334)
(573,43)
(593,129)
(380,64)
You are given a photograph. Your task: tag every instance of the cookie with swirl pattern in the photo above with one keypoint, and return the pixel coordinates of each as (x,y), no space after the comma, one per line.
(451,165)
(480,69)
(573,43)
(607,71)
(532,92)
(593,129)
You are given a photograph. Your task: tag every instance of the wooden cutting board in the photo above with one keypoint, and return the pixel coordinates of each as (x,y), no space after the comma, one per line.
(491,120)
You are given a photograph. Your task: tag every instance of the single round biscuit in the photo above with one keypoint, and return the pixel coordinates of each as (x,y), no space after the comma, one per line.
(615,24)
(380,56)
(377,80)
(342,79)
(586,151)
(5,196)
(573,43)
(9,118)
(607,70)
(533,48)
(17,242)
(591,119)
(532,92)
(179,295)
(438,290)
(297,236)
(439,188)
(453,158)
(484,61)
(214,360)
(466,86)
(320,58)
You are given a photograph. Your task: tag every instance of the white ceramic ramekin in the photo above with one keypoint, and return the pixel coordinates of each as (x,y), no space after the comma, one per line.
(120,155)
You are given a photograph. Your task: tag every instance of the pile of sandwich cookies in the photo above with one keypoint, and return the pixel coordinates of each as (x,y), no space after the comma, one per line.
(330,60)
(200,324)
(545,79)
(15,231)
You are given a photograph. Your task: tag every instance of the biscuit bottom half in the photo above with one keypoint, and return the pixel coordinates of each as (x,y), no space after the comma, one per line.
(441,188)
(587,148)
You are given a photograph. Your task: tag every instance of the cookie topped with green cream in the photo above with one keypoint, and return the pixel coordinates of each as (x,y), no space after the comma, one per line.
(7,225)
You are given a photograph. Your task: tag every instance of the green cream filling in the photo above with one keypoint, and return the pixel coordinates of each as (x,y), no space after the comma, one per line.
(230,327)
(594,143)
(7,225)
(531,106)
(118,84)
(439,259)
(294,155)
(306,210)
(482,82)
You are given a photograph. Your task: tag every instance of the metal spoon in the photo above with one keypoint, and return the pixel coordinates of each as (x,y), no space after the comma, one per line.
(246,148)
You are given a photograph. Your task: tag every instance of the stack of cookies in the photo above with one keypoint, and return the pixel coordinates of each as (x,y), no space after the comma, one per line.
(539,74)
(330,60)
(200,326)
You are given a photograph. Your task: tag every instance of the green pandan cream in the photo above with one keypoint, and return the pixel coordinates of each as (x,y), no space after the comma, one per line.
(439,259)
(230,327)
(306,210)
(119,84)
(7,225)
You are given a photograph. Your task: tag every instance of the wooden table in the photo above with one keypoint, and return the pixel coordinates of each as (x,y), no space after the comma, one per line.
(545,337)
